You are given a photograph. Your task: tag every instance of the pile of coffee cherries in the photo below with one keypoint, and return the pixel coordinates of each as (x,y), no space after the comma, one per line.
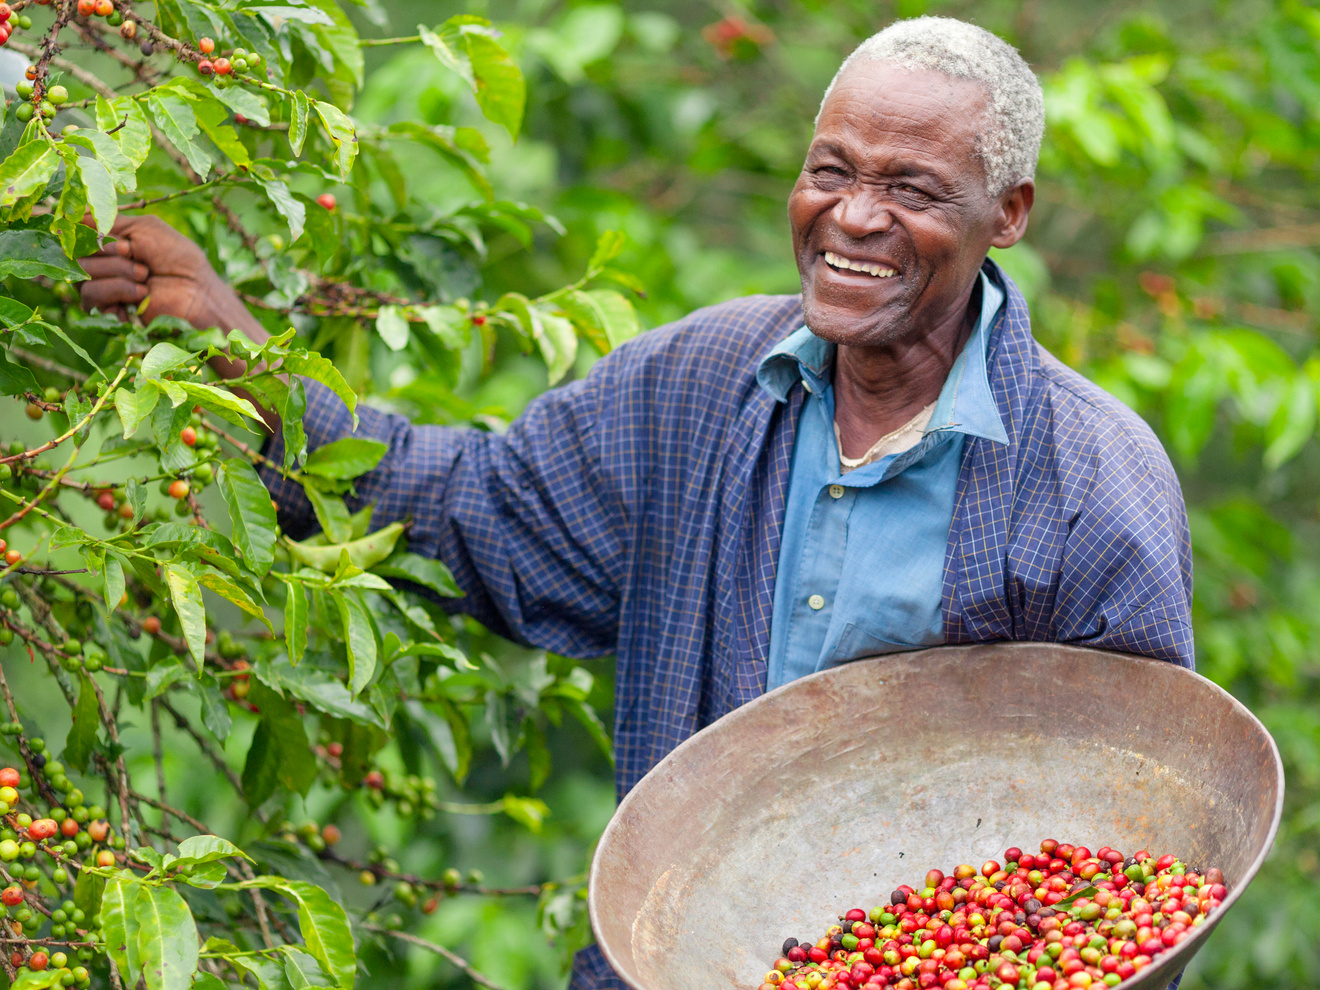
(1063,919)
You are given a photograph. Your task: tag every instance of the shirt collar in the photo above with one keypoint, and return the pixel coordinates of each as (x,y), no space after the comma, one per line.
(965,404)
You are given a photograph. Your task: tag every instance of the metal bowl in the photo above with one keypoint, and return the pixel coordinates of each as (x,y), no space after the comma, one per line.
(831,791)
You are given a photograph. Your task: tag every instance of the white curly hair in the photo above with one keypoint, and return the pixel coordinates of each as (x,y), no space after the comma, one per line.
(1010,144)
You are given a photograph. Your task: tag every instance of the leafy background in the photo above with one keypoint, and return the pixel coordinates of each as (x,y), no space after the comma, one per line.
(1172,256)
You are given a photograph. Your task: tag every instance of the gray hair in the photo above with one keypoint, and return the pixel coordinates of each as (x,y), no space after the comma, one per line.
(1010,145)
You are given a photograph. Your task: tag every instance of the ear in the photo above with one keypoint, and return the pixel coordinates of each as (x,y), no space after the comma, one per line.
(1014,205)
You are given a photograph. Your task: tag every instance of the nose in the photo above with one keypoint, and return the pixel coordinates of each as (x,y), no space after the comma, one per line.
(862,213)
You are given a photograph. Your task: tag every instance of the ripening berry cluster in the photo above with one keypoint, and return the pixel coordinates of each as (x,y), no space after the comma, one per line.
(41,852)
(1061,920)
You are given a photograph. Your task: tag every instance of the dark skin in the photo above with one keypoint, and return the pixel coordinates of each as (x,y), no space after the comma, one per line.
(892,180)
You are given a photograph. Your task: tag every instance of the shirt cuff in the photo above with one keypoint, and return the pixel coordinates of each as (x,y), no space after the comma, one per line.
(327,419)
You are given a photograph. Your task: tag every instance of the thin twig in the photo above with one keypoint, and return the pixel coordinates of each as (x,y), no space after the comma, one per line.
(452,956)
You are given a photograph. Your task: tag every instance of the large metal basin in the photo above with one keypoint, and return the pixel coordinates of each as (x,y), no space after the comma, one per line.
(829,792)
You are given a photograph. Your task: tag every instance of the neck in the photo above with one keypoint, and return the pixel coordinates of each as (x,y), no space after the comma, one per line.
(878,389)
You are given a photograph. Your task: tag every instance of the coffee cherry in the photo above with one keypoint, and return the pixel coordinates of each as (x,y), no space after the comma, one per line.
(37,961)
(151,625)
(12,557)
(147,49)
(189,436)
(58,960)
(24,114)
(24,88)
(331,834)
(205,67)
(9,777)
(34,411)
(105,858)
(12,896)
(86,8)
(68,828)
(5,11)
(223,66)
(128,30)
(178,489)
(327,200)
(240,65)
(206,46)
(375,780)
(104,8)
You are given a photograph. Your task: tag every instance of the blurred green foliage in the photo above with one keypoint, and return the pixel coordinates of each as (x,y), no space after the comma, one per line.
(1172,256)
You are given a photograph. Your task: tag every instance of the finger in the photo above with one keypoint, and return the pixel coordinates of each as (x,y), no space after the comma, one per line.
(99,266)
(110,292)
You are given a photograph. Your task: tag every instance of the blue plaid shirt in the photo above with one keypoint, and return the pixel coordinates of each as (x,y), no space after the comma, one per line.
(638,512)
(861,558)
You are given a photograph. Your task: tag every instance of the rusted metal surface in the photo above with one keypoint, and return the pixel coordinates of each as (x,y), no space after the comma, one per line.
(826,794)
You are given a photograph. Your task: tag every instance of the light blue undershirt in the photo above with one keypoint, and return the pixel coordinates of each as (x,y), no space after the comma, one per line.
(875,553)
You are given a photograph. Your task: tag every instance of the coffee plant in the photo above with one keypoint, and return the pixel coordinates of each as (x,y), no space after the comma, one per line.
(144,568)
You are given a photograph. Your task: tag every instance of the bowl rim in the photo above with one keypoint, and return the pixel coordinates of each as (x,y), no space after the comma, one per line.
(1167,962)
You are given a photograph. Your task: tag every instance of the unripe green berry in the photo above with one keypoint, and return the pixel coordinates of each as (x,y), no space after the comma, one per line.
(57,95)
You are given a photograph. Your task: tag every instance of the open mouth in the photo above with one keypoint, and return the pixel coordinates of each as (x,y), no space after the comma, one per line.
(841,264)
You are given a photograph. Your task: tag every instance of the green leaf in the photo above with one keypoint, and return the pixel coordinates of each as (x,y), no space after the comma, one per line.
(342,135)
(293,212)
(242,100)
(501,92)
(1075,895)
(323,924)
(206,849)
(292,411)
(279,752)
(108,153)
(332,514)
(32,979)
(346,458)
(220,401)
(163,358)
(364,553)
(557,342)
(303,971)
(448,732)
(295,622)
(125,121)
(176,120)
(231,592)
(215,711)
(609,246)
(298,121)
(251,514)
(320,369)
(87,892)
(186,596)
(359,641)
(167,939)
(213,118)
(29,253)
(27,171)
(450,55)
(119,925)
(15,379)
(585,714)
(426,571)
(134,407)
(621,323)
(392,327)
(113,576)
(86,721)
(101,199)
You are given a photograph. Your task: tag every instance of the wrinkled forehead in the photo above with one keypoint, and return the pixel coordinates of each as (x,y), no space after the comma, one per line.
(878,108)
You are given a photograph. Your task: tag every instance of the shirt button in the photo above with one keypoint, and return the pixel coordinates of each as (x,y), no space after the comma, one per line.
(816,602)
(836,491)
(807,385)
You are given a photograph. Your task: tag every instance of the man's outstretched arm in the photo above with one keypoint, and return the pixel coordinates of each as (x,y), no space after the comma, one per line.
(526,521)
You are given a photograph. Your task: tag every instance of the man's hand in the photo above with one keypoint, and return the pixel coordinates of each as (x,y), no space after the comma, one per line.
(151,260)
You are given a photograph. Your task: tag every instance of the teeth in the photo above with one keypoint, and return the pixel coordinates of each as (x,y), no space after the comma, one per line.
(839,261)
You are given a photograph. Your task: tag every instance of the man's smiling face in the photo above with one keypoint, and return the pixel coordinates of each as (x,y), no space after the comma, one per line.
(891,217)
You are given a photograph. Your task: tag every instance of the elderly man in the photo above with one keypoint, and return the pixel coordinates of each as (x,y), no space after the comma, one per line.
(776,485)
